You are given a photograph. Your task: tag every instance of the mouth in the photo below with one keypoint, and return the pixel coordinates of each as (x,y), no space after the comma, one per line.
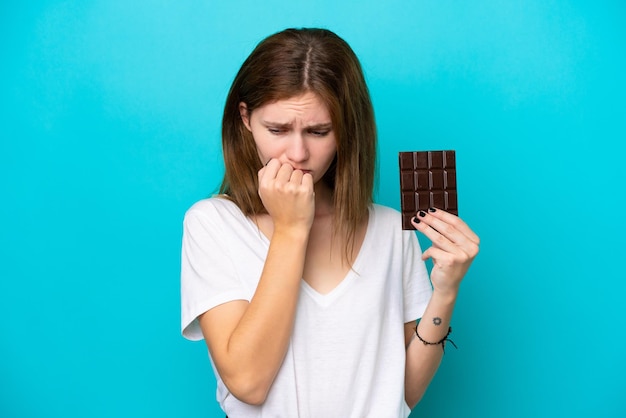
(304,170)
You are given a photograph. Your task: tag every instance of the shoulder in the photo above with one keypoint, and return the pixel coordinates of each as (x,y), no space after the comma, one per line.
(388,220)
(216,211)
(212,206)
(385,214)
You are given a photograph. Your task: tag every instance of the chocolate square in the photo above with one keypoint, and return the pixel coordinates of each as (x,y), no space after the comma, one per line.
(427,179)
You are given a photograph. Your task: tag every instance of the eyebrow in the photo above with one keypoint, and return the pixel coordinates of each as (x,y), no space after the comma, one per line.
(318,126)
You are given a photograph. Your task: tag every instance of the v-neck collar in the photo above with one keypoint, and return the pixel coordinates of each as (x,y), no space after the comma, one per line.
(325,299)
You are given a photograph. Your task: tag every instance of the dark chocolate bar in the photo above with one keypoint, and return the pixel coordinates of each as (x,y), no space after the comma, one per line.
(427,180)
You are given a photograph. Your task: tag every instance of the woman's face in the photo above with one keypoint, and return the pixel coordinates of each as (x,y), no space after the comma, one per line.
(296,131)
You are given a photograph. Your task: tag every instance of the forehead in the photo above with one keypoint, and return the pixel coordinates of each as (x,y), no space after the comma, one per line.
(306,106)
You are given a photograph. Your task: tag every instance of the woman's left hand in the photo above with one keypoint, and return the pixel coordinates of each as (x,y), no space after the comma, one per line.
(454,247)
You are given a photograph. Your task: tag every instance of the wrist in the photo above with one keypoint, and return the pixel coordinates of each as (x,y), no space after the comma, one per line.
(446,297)
(297,233)
(441,341)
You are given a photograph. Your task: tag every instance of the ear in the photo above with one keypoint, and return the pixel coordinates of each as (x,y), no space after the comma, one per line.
(245,116)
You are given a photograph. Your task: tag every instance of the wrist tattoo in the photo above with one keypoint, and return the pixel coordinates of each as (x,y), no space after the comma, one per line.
(437,321)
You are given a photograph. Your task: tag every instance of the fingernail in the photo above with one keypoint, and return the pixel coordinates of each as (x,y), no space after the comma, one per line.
(431,209)
(414,219)
(421,213)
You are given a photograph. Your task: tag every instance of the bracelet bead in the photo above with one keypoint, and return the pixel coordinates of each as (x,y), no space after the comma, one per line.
(442,341)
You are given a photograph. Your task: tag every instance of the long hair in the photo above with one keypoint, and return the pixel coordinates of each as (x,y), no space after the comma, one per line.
(285,65)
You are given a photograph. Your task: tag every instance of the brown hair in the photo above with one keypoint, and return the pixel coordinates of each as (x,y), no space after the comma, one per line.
(287,64)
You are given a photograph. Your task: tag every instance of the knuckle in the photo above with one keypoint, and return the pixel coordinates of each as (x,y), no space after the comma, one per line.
(439,239)
(456,221)
(447,260)
(463,257)
(447,230)
(474,249)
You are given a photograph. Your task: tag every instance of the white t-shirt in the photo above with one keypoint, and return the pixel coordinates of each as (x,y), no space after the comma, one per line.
(346,357)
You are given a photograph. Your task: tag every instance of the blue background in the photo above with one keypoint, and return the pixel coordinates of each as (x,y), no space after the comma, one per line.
(109,125)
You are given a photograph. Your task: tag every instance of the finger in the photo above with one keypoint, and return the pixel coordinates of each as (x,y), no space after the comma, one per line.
(449,226)
(284,173)
(444,236)
(439,240)
(269,170)
(456,222)
(448,269)
(444,228)
(307,180)
(296,177)
(443,258)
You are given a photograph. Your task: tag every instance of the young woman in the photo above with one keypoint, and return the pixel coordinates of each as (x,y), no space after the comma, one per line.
(306,292)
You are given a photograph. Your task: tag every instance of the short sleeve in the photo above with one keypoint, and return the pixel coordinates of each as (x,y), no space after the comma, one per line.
(417,286)
(208,276)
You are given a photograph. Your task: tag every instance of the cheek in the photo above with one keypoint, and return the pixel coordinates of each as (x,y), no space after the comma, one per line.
(331,149)
(265,148)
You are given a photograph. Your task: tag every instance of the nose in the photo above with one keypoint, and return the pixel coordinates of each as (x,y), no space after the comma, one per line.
(297,150)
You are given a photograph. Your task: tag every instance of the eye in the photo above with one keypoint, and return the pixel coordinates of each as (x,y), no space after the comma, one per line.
(275,131)
(319,133)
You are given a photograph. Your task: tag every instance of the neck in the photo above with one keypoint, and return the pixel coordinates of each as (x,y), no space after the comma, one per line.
(324,204)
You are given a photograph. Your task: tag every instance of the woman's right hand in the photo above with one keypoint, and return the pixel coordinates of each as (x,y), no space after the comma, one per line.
(287,194)
(248,340)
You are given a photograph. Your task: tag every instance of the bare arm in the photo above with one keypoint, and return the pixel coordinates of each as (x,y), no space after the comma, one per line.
(248,341)
(422,361)
(454,248)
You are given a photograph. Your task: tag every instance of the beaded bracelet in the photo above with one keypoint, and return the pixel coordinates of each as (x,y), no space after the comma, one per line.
(442,341)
